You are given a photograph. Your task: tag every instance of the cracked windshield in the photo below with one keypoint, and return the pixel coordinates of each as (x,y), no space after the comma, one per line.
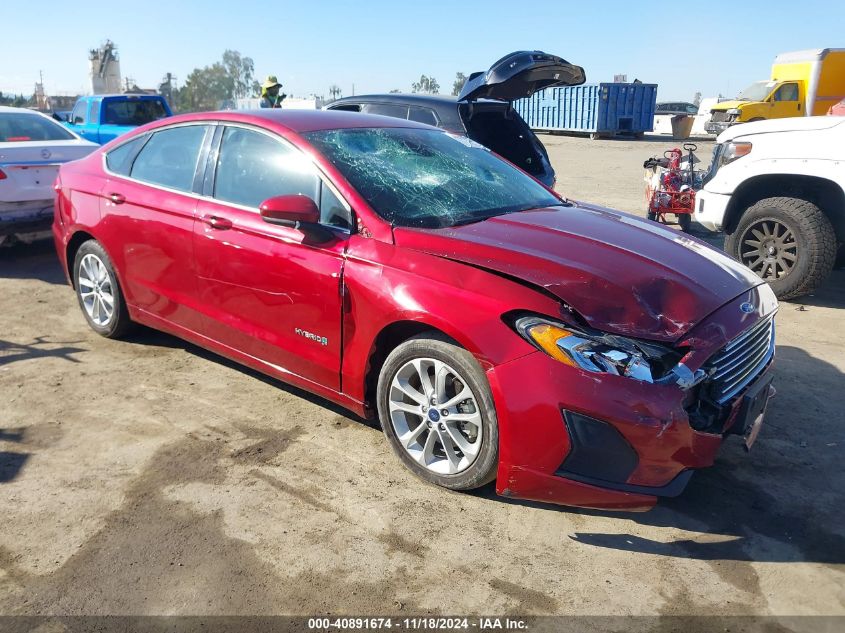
(428,178)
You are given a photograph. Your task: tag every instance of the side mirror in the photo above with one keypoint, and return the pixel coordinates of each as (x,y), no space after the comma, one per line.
(293,211)
(298,212)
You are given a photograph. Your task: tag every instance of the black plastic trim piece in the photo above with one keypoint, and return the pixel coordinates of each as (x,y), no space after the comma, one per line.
(672,489)
(598,450)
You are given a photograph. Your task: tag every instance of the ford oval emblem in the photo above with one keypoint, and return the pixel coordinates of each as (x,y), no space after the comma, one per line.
(45,154)
(746,307)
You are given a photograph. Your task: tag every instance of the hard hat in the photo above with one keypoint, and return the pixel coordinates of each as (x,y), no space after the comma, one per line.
(270,82)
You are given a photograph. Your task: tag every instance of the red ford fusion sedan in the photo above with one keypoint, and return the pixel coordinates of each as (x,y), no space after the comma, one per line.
(575,354)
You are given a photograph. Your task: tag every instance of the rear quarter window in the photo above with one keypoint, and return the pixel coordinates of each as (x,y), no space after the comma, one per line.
(347,107)
(120,159)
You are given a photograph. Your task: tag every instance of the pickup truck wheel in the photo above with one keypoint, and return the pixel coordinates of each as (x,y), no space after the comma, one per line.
(98,291)
(788,242)
(435,407)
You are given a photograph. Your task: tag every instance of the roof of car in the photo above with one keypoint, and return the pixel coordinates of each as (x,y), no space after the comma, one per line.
(128,95)
(13,109)
(299,121)
(399,97)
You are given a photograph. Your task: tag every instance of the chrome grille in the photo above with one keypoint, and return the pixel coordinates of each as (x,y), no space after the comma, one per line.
(719,116)
(741,361)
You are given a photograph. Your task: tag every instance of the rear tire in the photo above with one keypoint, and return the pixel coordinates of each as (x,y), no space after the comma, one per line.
(457,449)
(98,291)
(789,242)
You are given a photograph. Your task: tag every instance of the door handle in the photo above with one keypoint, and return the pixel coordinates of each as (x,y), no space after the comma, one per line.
(117,198)
(216,222)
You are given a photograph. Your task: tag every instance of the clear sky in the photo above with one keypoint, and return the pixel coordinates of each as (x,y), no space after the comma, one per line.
(710,46)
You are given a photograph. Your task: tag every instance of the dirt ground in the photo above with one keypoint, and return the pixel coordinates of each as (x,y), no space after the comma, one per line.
(151,477)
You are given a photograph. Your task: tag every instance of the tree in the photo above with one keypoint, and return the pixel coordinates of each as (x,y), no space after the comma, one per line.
(426,84)
(17,101)
(210,87)
(460,80)
(205,89)
(240,70)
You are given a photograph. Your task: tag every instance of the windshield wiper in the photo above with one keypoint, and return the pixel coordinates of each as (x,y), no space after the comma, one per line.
(481,218)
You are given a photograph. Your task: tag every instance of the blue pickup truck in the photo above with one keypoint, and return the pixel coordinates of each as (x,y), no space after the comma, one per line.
(100,118)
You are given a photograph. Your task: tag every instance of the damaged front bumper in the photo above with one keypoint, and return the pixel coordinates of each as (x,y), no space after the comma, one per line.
(717,127)
(602,441)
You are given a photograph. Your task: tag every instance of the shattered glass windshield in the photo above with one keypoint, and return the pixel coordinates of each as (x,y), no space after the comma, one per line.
(428,178)
(758,91)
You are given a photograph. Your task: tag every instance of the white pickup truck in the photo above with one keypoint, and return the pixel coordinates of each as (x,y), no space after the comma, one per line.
(777,189)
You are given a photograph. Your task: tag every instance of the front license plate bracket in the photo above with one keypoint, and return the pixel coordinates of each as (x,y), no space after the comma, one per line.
(753,410)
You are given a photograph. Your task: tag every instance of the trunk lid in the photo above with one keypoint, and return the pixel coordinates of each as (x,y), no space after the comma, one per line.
(31,167)
(519,75)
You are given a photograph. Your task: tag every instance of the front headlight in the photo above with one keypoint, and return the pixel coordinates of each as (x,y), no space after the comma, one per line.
(599,353)
(733,111)
(733,150)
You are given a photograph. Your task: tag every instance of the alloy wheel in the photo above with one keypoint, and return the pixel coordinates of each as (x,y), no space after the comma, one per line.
(435,416)
(769,249)
(96,290)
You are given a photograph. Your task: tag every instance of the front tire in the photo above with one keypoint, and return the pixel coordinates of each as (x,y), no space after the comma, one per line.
(789,242)
(98,291)
(436,409)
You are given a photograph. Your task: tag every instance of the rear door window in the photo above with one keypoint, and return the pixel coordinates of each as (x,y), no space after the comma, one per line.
(253,167)
(170,157)
(422,115)
(387,109)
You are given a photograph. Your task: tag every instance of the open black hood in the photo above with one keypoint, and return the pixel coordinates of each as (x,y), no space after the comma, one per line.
(521,74)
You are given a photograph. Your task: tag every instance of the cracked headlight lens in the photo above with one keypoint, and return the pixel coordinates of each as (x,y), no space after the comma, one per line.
(599,353)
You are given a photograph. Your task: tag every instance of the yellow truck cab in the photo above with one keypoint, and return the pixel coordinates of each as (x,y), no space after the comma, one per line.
(803,83)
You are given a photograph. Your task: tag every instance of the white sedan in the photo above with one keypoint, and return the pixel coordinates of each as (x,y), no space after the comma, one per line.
(32,146)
